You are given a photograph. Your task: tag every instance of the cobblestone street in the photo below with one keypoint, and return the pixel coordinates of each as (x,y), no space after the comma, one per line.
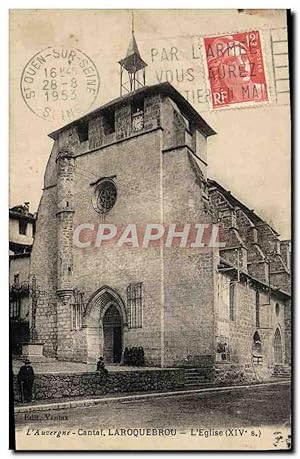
(239,408)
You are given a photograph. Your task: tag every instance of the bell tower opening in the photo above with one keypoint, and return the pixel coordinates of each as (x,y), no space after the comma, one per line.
(132,68)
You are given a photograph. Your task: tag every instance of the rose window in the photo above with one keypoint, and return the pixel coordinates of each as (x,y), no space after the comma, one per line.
(105,196)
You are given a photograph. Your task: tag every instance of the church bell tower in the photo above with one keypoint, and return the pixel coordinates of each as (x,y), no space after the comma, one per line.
(132,68)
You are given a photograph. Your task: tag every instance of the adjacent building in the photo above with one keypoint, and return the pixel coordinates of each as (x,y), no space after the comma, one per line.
(21,236)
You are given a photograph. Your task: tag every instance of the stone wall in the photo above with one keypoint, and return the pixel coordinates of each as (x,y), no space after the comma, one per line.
(46,322)
(238,330)
(236,374)
(49,386)
(137,202)
(44,266)
(188,274)
(69,385)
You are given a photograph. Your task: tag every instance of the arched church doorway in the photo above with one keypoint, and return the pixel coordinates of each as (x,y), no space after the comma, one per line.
(105,321)
(112,335)
(277,347)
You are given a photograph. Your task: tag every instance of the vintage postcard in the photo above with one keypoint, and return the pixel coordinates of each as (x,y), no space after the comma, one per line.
(150,230)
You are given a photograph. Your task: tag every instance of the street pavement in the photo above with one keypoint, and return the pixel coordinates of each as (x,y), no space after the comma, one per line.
(267,405)
(266,409)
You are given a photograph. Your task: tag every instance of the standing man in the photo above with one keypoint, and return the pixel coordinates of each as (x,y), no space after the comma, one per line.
(25,380)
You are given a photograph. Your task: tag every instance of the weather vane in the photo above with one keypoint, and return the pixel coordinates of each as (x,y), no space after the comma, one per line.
(132,22)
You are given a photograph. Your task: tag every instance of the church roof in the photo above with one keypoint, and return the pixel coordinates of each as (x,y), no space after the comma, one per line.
(234,202)
(165,89)
(133,47)
(133,61)
(20,212)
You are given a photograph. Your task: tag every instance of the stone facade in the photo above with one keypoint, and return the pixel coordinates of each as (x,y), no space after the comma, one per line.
(184,314)
(255,262)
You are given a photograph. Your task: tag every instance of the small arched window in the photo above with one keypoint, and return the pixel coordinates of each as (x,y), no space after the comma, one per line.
(277,309)
(277,347)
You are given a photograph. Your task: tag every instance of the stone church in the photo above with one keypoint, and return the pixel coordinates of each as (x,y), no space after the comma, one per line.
(142,158)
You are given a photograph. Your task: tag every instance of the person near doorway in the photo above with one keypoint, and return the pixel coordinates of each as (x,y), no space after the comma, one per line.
(25,380)
(141,356)
(101,367)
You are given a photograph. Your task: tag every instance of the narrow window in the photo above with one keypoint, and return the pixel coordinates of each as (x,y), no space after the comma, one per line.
(135,296)
(109,122)
(76,316)
(231,300)
(233,219)
(255,235)
(22,227)
(257,319)
(16,279)
(83,131)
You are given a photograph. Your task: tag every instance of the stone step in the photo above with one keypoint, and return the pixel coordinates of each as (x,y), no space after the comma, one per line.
(197,376)
(280,377)
(282,368)
(281,372)
(195,384)
(203,373)
(198,371)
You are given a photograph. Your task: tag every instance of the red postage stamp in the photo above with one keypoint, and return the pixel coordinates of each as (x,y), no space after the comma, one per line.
(235,69)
